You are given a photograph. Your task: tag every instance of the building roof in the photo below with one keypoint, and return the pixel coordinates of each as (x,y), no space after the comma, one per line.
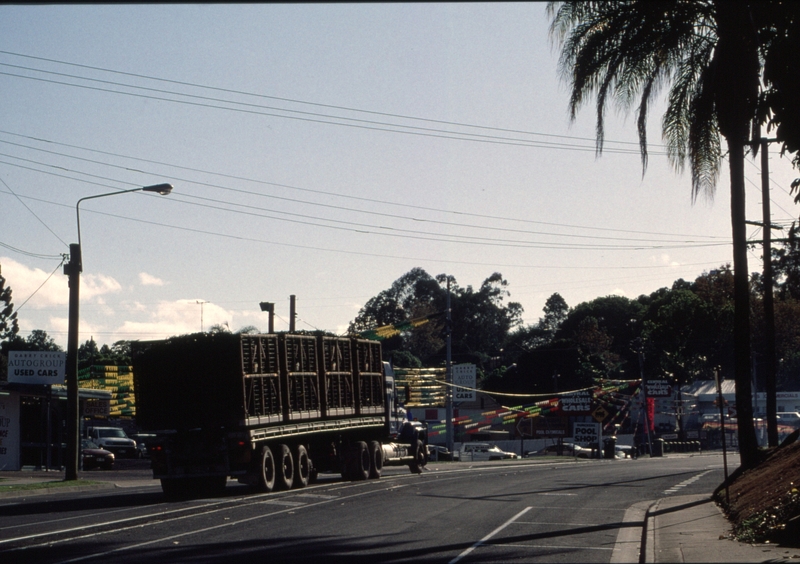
(706,390)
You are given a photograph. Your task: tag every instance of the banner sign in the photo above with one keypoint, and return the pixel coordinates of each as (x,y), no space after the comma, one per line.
(36,367)
(659,388)
(464,375)
(576,403)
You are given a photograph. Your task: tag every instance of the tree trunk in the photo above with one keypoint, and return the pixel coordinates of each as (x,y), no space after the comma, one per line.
(748,445)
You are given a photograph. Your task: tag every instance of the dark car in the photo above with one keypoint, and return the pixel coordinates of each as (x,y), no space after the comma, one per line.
(93,456)
(143,442)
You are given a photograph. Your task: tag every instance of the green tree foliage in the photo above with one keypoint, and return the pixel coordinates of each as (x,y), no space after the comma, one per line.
(708,53)
(481,318)
(9,325)
(780,45)
(118,354)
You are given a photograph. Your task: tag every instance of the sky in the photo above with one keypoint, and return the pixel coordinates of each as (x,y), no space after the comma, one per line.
(323,151)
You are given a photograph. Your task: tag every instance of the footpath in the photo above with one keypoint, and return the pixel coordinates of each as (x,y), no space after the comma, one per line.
(692,528)
(675,528)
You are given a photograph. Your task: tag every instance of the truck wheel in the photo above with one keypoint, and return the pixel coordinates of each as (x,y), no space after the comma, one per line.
(284,478)
(375,460)
(302,467)
(420,459)
(266,471)
(360,461)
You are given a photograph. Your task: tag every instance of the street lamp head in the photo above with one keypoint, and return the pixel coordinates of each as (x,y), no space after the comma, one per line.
(162,189)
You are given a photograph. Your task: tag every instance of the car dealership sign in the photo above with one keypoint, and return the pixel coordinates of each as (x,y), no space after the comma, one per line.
(36,367)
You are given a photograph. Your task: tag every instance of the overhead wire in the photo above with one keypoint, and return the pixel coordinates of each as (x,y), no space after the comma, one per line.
(350,209)
(294,101)
(321,192)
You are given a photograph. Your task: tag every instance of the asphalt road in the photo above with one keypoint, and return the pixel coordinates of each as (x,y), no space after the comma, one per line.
(523,511)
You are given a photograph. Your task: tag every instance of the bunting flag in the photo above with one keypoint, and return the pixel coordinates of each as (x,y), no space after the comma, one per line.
(386,331)
(615,396)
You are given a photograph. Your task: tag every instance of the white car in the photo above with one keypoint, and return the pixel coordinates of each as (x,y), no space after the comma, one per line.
(470,452)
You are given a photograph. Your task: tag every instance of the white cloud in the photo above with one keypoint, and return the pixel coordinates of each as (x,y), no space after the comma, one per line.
(150,280)
(664,259)
(25,283)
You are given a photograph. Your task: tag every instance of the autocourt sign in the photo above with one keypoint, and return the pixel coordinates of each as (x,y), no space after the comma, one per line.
(36,367)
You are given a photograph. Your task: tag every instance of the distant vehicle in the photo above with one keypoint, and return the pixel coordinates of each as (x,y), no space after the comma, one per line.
(113,439)
(472,452)
(437,452)
(93,456)
(143,441)
(625,451)
(565,449)
(788,418)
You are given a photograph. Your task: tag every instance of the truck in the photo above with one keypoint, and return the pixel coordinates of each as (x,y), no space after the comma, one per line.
(270,410)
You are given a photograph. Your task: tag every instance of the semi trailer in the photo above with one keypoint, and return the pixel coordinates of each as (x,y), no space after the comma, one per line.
(271,410)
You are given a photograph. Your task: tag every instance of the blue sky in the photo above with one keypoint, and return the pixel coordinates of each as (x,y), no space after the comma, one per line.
(323,151)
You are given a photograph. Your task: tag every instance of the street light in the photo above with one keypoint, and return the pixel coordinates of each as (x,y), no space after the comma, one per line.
(73,269)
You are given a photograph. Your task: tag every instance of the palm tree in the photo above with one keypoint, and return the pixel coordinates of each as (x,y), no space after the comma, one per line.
(706,52)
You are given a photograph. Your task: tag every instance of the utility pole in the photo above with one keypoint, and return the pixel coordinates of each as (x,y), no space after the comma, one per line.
(292,312)
(201,303)
(269,307)
(449,376)
(771,364)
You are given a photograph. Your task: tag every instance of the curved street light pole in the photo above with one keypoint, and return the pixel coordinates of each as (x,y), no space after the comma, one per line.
(73,270)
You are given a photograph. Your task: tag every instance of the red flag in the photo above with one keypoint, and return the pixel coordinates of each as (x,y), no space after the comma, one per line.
(651,413)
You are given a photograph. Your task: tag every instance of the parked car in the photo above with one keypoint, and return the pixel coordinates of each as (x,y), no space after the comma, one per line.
(482,451)
(625,451)
(565,449)
(92,456)
(113,439)
(143,442)
(788,418)
(437,452)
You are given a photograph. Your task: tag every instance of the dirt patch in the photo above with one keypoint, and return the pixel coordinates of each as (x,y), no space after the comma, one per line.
(765,500)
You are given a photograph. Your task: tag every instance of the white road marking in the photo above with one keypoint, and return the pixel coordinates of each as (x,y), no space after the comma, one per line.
(677,487)
(490,535)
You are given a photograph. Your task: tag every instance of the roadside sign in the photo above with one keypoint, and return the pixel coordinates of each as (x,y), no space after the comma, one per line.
(659,388)
(600,414)
(464,382)
(586,433)
(550,427)
(576,403)
(37,367)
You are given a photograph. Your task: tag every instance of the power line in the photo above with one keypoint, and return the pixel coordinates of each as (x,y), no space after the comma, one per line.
(350,209)
(289,100)
(437,261)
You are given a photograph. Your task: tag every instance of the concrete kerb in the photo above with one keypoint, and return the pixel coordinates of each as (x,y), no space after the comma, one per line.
(692,528)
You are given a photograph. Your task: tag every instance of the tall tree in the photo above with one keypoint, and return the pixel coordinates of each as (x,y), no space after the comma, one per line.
(708,51)
(9,325)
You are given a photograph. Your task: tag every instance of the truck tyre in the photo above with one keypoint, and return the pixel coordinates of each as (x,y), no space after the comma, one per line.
(266,472)
(420,459)
(375,460)
(302,467)
(360,461)
(284,464)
